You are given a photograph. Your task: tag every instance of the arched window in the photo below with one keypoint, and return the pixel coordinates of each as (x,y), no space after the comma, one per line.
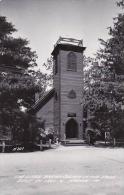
(72,62)
(72,94)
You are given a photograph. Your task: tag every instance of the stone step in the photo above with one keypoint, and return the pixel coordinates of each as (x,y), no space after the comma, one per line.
(73,142)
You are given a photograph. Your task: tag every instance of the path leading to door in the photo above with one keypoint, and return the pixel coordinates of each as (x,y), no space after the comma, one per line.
(75,170)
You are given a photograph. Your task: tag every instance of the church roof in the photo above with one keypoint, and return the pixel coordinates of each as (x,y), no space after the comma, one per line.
(42,101)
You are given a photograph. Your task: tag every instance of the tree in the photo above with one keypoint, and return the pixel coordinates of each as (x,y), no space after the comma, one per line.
(112,50)
(49,66)
(103,98)
(104,81)
(14,52)
(18,80)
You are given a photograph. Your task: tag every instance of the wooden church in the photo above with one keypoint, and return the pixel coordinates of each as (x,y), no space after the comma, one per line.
(61,107)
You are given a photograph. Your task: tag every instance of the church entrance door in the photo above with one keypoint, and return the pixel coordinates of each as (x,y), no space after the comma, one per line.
(71,129)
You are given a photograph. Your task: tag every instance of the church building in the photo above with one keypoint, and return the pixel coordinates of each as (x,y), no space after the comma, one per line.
(61,107)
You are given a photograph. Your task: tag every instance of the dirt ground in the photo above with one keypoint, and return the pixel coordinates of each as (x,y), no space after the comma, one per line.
(72,170)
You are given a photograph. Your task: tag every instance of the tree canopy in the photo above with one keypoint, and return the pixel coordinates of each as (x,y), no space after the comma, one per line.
(112,50)
(18,80)
(104,81)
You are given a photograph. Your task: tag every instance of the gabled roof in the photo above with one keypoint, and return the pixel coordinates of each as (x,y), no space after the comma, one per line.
(42,101)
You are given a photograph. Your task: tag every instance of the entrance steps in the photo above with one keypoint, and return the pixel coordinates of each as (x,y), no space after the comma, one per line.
(73,142)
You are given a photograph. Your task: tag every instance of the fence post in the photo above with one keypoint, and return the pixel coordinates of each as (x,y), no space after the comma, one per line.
(114,142)
(3,146)
(49,143)
(41,145)
(57,141)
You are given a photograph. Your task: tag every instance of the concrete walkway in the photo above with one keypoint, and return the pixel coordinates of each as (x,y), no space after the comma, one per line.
(70,170)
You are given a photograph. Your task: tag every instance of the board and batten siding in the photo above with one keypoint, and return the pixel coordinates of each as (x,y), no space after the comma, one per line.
(64,82)
(46,113)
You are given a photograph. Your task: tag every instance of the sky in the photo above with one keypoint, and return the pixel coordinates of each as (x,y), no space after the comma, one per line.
(43,21)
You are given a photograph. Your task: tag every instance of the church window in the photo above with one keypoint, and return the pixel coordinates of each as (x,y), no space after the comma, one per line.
(72,62)
(72,94)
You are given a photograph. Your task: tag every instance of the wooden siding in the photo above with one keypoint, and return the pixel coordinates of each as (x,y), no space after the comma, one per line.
(46,113)
(64,81)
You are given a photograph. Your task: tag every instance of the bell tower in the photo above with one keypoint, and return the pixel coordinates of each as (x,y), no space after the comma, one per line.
(68,85)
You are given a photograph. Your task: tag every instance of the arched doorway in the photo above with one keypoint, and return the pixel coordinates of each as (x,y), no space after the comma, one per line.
(71,130)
